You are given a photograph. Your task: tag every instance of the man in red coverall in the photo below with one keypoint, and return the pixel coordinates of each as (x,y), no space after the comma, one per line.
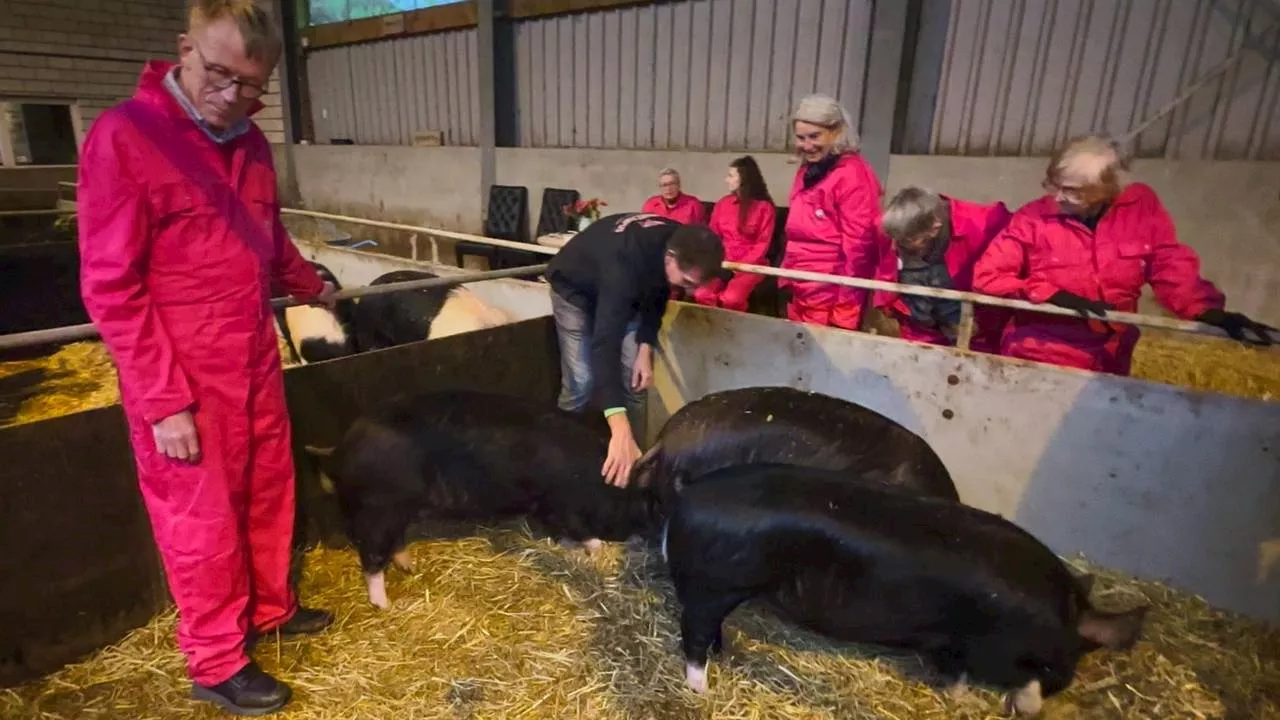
(1090,245)
(180,238)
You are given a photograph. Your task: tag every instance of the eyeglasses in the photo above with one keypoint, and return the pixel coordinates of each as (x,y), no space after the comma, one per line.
(220,78)
(1067,191)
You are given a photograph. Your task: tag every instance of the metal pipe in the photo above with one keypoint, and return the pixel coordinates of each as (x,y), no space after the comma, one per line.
(523,247)
(862,283)
(86,331)
(48,211)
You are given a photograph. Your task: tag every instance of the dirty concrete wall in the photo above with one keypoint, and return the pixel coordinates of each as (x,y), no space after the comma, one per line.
(1153,480)
(90,52)
(1228,211)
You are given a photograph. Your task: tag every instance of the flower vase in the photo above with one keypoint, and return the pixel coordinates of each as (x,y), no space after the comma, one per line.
(583,222)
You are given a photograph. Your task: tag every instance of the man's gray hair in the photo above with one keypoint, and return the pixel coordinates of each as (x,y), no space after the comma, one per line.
(664,172)
(911,212)
(824,111)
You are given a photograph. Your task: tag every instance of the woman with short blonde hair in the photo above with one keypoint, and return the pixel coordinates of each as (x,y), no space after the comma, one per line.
(834,210)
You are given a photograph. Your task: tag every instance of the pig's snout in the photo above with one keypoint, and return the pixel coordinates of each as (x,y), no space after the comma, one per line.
(1027,701)
(695,676)
(377,584)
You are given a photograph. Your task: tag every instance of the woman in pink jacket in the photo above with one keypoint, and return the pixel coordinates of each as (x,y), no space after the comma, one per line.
(744,219)
(835,209)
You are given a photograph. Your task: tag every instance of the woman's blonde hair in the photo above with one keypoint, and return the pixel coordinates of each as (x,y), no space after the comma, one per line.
(824,111)
(1100,159)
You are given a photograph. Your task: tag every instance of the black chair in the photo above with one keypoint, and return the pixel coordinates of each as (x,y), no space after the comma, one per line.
(507,219)
(707,207)
(551,217)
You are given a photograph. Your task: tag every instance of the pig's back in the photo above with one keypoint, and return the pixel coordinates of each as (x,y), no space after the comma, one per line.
(788,426)
(862,562)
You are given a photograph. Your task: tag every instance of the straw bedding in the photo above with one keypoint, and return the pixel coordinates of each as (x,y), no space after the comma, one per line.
(502,624)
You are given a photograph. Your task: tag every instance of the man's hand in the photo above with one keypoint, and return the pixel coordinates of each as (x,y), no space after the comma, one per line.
(623,452)
(326,296)
(176,437)
(642,371)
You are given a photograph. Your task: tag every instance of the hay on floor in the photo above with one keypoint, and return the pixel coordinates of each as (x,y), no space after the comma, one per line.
(78,377)
(1208,363)
(503,625)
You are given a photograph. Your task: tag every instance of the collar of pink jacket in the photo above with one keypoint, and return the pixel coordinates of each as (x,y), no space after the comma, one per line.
(152,91)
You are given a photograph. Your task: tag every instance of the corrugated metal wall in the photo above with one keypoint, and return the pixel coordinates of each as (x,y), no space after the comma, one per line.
(381,93)
(699,74)
(1020,76)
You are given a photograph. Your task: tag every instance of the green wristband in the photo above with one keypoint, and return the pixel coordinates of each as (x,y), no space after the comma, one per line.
(614,411)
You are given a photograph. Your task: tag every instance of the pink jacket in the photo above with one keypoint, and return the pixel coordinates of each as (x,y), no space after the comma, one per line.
(747,244)
(973,226)
(687,209)
(1044,250)
(832,228)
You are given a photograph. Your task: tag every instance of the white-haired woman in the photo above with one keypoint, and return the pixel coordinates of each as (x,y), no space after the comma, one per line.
(834,211)
(1090,245)
(934,241)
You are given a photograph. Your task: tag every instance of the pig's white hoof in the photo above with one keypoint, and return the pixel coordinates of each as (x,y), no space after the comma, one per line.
(403,561)
(592,546)
(1027,701)
(958,688)
(377,585)
(696,678)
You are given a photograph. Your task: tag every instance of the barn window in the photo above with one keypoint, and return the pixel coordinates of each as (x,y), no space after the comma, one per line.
(323,12)
(38,133)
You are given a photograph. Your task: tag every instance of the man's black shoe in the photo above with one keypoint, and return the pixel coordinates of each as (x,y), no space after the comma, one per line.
(306,621)
(250,692)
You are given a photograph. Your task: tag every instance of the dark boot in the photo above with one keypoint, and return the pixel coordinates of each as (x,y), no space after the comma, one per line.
(306,621)
(250,692)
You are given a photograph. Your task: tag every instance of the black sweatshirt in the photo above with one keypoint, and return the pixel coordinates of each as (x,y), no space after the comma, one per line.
(613,270)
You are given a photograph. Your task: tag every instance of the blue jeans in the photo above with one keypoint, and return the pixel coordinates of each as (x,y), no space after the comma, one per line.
(573,331)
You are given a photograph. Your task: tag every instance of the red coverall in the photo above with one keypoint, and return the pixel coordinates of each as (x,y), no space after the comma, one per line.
(747,244)
(687,209)
(831,228)
(1044,250)
(179,241)
(973,226)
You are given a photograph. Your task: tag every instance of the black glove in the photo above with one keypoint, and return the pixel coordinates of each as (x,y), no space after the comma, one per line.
(1235,324)
(1084,306)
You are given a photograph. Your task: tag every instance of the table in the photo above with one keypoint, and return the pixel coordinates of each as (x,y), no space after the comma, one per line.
(556,240)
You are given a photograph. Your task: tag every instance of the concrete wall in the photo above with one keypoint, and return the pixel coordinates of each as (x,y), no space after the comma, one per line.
(90,52)
(1153,480)
(1228,211)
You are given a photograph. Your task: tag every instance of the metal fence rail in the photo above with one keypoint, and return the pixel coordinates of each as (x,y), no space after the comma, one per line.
(86,331)
(967,299)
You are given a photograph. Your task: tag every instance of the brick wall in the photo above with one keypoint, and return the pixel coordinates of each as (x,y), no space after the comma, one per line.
(91,51)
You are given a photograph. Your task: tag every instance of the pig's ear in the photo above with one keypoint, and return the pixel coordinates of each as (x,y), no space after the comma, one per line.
(1085,583)
(1115,631)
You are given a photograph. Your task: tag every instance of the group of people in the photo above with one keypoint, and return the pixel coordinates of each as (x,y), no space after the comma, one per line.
(180,240)
(1089,244)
